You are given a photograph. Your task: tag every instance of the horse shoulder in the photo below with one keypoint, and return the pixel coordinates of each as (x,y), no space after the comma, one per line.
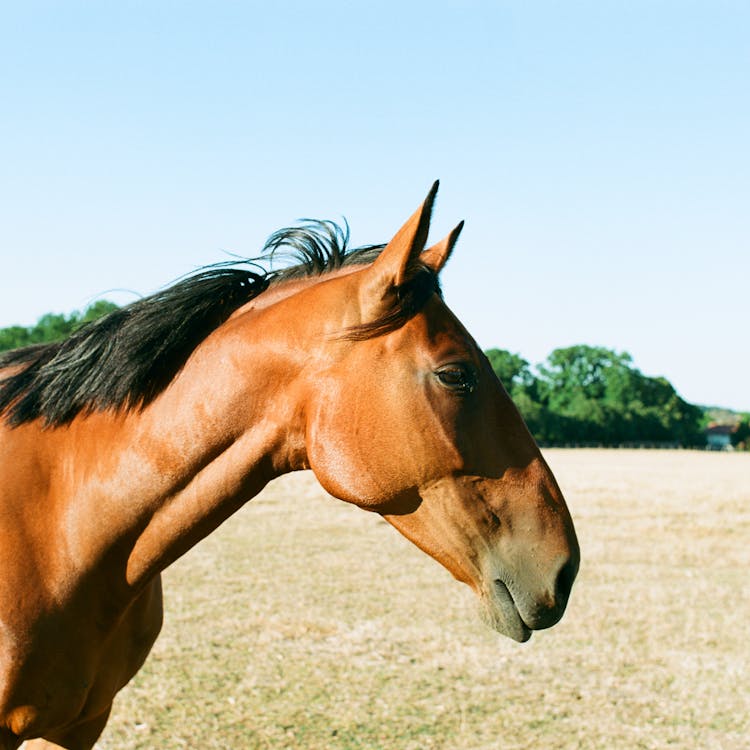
(66,644)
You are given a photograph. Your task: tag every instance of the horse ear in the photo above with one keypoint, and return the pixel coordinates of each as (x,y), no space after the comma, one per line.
(391,268)
(436,257)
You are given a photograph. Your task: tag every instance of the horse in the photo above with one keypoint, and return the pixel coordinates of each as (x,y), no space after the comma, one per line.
(127,443)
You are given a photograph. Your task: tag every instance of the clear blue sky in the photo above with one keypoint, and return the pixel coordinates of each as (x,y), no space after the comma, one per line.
(598,151)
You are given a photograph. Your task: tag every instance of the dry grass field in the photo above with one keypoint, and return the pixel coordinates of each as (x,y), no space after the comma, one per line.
(304,623)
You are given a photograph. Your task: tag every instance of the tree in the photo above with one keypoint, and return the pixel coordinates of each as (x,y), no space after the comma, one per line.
(741,436)
(594,394)
(96,310)
(13,337)
(512,369)
(52,326)
(578,373)
(515,374)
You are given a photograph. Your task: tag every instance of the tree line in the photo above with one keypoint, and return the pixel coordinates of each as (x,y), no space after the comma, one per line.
(593,395)
(52,326)
(579,395)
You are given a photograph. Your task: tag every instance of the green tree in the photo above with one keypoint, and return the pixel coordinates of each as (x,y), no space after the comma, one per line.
(14,337)
(512,369)
(598,396)
(96,310)
(741,436)
(580,373)
(52,326)
(516,375)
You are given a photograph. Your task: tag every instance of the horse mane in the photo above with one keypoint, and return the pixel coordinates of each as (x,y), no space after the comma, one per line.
(125,359)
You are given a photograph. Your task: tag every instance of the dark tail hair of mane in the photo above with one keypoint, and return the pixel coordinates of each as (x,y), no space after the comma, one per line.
(128,357)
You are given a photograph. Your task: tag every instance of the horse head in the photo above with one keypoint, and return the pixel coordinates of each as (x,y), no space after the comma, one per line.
(405,417)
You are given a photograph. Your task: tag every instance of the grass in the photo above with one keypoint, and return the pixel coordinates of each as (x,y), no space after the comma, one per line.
(304,623)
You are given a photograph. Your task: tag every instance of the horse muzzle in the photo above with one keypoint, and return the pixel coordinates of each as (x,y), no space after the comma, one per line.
(515,607)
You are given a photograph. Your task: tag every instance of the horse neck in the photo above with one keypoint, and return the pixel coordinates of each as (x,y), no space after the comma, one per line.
(154,482)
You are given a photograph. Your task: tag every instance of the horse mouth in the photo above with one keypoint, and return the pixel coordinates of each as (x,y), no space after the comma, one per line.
(503,615)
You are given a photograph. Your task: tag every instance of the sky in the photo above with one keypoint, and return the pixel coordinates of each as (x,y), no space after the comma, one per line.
(599,153)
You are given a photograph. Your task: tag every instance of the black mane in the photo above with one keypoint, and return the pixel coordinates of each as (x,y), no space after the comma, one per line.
(128,357)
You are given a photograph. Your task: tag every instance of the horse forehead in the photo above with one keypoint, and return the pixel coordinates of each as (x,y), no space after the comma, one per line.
(439,328)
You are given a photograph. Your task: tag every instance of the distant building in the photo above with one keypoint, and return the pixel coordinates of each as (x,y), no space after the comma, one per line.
(719,436)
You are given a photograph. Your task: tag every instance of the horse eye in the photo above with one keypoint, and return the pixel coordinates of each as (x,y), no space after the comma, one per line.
(457,378)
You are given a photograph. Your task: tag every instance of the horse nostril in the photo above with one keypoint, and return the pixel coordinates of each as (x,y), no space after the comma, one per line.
(564,583)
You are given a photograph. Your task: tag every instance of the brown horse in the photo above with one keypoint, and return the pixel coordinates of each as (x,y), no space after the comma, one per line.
(126,444)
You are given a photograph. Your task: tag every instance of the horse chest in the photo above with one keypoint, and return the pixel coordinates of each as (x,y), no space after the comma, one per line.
(45,672)
(60,664)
